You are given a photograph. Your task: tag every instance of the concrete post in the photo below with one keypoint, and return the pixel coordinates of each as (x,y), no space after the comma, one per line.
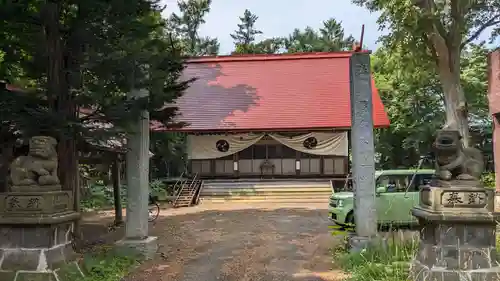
(138,176)
(136,230)
(363,151)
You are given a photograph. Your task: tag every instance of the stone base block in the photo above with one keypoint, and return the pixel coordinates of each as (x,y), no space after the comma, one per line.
(35,259)
(69,272)
(457,199)
(35,236)
(457,235)
(147,247)
(35,252)
(35,188)
(421,272)
(35,208)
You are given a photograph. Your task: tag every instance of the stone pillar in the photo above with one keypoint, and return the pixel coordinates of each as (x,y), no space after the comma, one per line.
(457,219)
(363,151)
(494,104)
(136,229)
(36,219)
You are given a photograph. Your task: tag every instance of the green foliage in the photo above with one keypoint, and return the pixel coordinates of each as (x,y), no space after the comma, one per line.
(412,96)
(434,35)
(79,60)
(169,149)
(331,37)
(244,36)
(186,25)
(99,196)
(107,49)
(412,99)
(488,179)
(160,190)
(107,265)
(389,260)
(390,263)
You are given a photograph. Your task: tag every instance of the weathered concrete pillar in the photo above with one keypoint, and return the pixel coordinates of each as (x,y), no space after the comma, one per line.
(136,229)
(363,151)
(494,102)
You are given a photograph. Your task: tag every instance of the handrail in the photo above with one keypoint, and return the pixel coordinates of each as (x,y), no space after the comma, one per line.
(182,188)
(179,193)
(193,184)
(177,182)
(197,199)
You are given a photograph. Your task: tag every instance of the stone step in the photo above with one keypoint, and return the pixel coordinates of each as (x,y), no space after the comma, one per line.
(274,185)
(276,196)
(266,200)
(187,191)
(208,191)
(184,197)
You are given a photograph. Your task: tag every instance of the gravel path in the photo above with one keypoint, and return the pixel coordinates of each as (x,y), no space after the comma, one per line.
(241,242)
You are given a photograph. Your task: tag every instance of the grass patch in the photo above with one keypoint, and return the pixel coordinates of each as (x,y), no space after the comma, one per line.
(105,265)
(389,262)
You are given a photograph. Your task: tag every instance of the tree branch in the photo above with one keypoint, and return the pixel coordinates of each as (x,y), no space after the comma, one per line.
(457,23)
(493,21)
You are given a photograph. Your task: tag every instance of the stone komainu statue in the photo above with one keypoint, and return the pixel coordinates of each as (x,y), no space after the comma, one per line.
(39,167)
(453,161)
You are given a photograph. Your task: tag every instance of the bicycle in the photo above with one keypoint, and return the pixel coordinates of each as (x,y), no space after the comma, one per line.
(153,208)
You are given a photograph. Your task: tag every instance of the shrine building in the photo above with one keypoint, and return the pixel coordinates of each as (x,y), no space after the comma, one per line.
(282,116)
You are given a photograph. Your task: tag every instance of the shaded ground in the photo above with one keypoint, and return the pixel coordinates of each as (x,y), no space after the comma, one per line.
(239,242)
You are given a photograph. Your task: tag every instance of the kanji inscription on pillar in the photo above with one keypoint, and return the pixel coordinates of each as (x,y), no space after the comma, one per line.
(24,203)
(464,199)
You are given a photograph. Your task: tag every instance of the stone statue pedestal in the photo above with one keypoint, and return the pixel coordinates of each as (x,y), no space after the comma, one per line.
(457,233)
(35,240)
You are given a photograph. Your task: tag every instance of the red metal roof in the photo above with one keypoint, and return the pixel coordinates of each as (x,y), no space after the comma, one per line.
(270,92)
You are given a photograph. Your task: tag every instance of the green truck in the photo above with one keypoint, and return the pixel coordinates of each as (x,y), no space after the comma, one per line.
(395,198)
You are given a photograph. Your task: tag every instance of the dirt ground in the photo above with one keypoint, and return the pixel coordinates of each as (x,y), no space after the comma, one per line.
(240,242)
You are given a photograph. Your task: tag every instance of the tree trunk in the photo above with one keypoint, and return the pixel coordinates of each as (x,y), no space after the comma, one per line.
(73,57)
(54,49)
(116,168)
(60,79)
(455,104)
(446,52)
(6,155)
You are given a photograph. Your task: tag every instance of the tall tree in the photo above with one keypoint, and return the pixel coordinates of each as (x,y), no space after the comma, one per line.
(413,97)
(187,24)
(244,36)
(331,37)
(438,31)
(88,55)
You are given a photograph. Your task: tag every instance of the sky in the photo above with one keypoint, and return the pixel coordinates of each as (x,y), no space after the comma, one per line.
(281,17)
